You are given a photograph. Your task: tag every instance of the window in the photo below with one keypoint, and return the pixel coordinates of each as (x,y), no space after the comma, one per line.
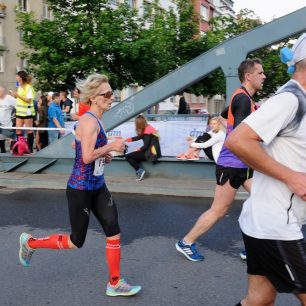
(21,35)
(217,3)
(24,63)
(46,11)
(1,35)
(23,5)
(113,2)
(146,7)
(204,12)
(1,63)
(133,3)
(132,89)
(117,95)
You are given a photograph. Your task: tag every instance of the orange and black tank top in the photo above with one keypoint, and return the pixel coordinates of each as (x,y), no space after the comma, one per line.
(241,106)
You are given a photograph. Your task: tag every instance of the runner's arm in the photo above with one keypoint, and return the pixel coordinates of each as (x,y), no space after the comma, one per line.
(87,133)
(241,108)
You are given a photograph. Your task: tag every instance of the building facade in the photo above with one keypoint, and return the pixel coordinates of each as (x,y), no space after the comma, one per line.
(11,39)
(223,8)
(207,9)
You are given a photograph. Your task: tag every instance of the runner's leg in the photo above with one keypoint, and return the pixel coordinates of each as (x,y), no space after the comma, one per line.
(105,210)
(224,196)
(260,292)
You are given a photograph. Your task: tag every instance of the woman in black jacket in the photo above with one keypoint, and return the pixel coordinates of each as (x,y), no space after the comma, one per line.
(42,122)
(150,151)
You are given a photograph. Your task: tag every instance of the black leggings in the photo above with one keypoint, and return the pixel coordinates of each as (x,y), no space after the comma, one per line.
(100,202)
(2,146)
(43,136)
(208,151)
(135,158)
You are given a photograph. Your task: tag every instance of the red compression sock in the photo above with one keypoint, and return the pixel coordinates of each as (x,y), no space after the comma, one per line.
(55,241)
(113,260)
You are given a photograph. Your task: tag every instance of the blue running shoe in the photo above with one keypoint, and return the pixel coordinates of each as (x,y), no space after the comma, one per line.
(189,251)
(243,255)
(25,252)
(140,174)
(122,289)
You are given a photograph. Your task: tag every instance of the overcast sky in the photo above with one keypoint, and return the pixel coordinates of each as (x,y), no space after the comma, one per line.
(269,9)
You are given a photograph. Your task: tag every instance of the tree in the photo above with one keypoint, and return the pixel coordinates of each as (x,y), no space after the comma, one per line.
(91,36)
(84,37)
(222,28)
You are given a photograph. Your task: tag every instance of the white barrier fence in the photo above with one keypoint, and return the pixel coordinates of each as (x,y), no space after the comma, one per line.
(173,134)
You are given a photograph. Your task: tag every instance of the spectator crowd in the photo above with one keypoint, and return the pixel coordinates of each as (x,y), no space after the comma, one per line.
(21,109)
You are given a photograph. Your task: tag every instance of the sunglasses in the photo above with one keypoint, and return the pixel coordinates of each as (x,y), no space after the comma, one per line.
(106,95)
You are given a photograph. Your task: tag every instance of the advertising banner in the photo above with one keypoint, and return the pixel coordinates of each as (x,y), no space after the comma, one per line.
(173,134)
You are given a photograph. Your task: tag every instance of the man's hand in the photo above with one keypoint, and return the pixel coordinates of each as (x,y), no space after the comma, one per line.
(296,182)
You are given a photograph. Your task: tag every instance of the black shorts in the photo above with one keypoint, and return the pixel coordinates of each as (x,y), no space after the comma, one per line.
(236,176)
(25,117)
(282,262)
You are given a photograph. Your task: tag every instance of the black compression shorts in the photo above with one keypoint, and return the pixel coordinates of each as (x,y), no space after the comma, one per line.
(81,203)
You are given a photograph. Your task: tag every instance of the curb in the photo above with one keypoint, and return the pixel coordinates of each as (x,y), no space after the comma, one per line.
(128,184)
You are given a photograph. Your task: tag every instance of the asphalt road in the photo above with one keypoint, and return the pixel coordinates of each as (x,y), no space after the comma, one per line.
(150,227)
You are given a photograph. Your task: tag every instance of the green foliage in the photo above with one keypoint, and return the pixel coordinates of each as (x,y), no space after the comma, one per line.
(84,37)
(92,36)
(222,28)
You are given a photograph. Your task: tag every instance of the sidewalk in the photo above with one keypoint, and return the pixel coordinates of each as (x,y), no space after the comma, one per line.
(124,184)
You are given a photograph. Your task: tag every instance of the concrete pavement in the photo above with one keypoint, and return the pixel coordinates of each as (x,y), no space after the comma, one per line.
(120,184)
(150,226)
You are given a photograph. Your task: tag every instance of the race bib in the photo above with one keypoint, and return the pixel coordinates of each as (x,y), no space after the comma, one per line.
(99,166)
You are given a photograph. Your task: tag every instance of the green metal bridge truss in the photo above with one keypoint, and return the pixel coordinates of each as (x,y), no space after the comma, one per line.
(58,157)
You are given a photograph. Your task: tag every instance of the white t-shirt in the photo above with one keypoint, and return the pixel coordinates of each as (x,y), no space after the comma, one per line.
(216,142)
(270,212)
(6,106)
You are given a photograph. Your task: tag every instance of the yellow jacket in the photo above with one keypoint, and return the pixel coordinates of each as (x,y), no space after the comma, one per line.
(24,109)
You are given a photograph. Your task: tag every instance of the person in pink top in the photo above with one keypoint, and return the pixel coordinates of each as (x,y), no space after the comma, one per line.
(150,151)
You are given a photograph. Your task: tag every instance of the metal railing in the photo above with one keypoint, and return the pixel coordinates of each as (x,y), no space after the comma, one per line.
(176,117)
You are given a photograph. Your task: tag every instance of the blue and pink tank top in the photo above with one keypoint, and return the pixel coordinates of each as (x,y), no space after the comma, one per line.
(82,177)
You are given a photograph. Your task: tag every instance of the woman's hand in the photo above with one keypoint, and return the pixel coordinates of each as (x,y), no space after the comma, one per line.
(108,158)
(13,93)
(118,145)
